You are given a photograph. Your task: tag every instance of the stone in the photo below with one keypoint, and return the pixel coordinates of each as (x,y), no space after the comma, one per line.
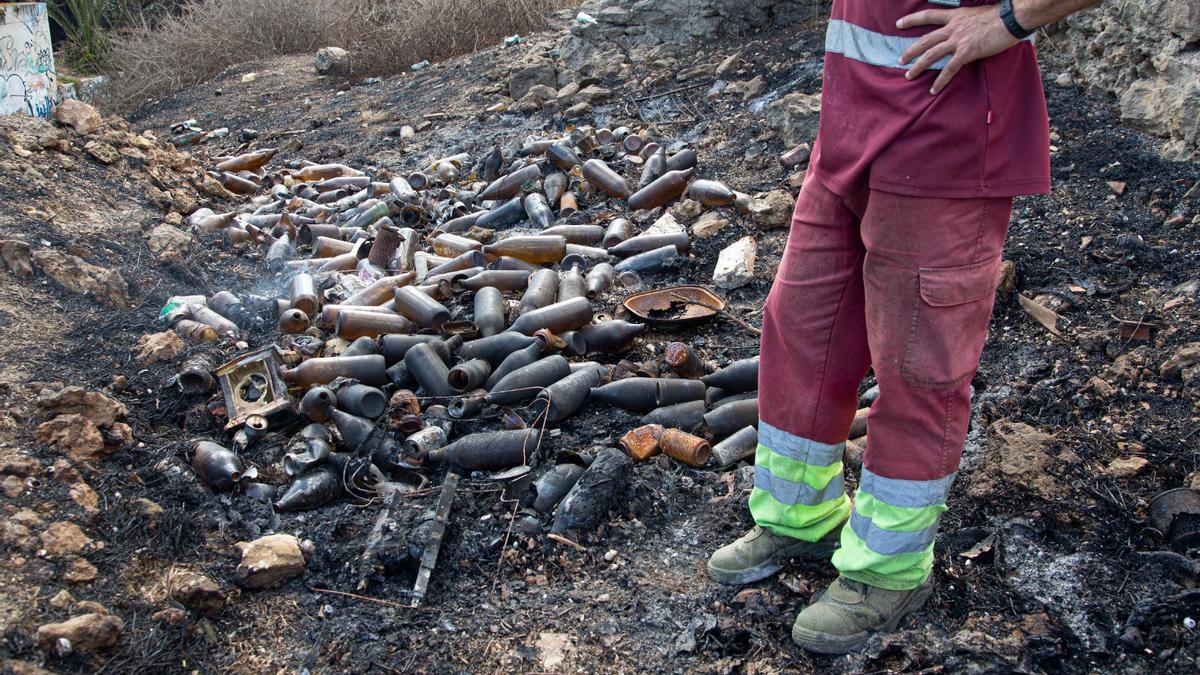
(593,94)
(213,188)
(21,466)
(530,72)
(1124,467)
(333,61)
(83,633)
(578,110)
(1019,455)
(157,347)
(78,115)
(1183,358)
(687,209)
(100,409)
(794,118)
(85,497)
(80,571)
(543,93)
(728,66)
(13,486)
(89,607)
(666,224)
(62,599)
(198,593)
(773,210)
(168,240)
(269,561)
(171,615)
(19,258)
(63,538)
(147,508)
(75,435)
(77,276)
(566,94)
(735,264)
(1145,56)
(102,152)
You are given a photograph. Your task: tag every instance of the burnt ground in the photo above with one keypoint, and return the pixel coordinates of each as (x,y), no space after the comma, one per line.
(1041,563)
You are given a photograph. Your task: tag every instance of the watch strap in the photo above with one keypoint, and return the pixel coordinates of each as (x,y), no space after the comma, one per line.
(1010,21)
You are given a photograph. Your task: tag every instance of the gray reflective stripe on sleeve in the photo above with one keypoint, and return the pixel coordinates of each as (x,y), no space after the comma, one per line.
(887,542)
(798,448)
(911,494)
(868,46)
(791,493)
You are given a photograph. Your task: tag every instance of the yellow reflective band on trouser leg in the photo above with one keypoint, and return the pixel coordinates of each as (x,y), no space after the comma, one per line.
(889,541)
(798,490)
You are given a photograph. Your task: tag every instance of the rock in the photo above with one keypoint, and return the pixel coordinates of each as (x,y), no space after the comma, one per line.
(63,472)
(594,94)
(1124,467)
(80,571)
(687,209)
(269,561)
(729,65)
(171,615)
(95,406)
(1145,56)
(709,224)
(796,156)
(567,93)
(333,61)
(773,210)
(63,538)
(578,110)
(106,285)
(543,93)
(23,467)
(1184,357)
(19,258)
(89,607)
(530,72)
(666,224)
(213,188)
(248,78)
(694,72)
(62,599)
(102,152)
(1019,455)
(168,240)
(75,435)
(794,118)
(735,265)
(753,88)
(85,497)
(78,115)
(13,486)
(83,633)
(147,508)
(157,347)
(198,593)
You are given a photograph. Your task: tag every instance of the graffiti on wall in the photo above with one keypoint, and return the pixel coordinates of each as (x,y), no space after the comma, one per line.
(27,78)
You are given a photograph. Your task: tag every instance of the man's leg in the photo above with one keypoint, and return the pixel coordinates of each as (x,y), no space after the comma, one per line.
(930,274)
(814,354)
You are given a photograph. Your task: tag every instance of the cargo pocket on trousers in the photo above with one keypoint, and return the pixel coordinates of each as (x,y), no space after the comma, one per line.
(950,323)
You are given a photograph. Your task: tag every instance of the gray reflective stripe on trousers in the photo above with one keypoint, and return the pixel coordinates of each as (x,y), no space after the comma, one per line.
(791,493)
(798,448)
(887,542)
(909,494)
(868,46)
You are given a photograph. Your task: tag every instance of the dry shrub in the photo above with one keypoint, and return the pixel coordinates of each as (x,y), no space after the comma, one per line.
(384,37)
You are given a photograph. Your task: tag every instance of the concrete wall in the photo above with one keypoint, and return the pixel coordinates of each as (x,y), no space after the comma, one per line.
(28,82)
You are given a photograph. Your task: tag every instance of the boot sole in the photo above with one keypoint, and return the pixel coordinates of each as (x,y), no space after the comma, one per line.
(772,565)
(827,643)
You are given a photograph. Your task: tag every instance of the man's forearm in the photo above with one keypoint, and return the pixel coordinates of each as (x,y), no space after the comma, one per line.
(1037,13)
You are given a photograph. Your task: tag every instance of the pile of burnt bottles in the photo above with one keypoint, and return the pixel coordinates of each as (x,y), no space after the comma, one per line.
(448,317)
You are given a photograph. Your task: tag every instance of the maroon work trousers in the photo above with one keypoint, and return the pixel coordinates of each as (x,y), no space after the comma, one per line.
(903,285)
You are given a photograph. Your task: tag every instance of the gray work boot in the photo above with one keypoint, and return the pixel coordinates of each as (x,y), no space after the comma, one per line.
(849,612)
(760,553)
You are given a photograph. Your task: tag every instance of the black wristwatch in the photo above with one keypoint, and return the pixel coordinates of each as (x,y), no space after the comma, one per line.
(1010,21)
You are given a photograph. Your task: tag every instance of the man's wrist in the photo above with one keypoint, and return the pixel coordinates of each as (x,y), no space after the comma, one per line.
(1011,22)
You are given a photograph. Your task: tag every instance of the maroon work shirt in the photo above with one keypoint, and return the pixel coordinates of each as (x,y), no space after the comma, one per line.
(985,135)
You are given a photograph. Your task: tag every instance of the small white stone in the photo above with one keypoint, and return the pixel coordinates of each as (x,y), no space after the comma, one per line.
(666,224)
(735,265)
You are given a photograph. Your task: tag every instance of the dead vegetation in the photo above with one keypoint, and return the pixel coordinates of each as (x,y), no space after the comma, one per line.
(208,36)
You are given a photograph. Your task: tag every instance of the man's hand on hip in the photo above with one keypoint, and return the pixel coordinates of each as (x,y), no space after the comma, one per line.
(967,34)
